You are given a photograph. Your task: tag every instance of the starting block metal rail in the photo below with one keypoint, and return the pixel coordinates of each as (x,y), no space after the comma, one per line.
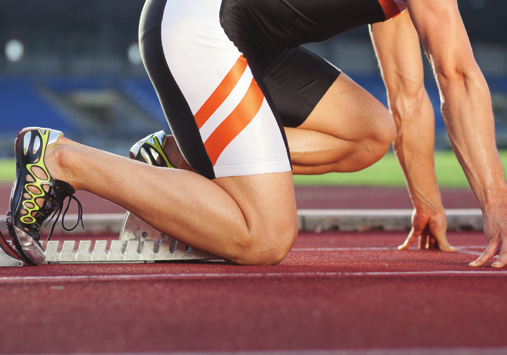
(131,251)
(140,243)
(316,220)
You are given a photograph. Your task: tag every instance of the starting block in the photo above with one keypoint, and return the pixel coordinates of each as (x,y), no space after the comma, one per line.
(138,243)
(5,257)
(137,232)
(141,243)
(6,260)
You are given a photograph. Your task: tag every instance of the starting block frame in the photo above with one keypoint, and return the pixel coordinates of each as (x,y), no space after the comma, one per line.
(140,243)
(131,251)
(7,260)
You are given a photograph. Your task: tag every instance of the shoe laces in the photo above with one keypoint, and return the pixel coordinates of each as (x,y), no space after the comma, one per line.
(58,212)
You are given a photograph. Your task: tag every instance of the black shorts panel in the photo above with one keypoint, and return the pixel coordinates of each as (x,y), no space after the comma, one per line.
(296,80)
(262,28)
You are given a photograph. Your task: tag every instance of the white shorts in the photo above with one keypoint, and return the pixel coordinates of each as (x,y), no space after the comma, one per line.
(213,99)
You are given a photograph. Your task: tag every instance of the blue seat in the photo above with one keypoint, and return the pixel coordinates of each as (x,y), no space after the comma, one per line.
(23,106)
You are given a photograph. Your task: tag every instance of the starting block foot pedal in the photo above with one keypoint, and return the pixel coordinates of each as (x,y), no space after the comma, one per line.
(136,230)
(9,261)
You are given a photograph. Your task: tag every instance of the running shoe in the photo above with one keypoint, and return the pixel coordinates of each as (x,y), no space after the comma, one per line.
(150,150)
(35,195)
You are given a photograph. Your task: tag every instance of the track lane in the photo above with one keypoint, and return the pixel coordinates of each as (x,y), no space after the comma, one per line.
(335,291)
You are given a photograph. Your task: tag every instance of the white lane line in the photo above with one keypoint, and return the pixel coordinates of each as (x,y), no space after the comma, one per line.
(386,351)
(343,249)
(468,250)
(196,276)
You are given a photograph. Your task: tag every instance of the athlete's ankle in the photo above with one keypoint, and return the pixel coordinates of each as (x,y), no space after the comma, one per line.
(60,161)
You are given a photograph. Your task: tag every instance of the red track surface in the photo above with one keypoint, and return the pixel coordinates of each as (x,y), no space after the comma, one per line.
(334,291)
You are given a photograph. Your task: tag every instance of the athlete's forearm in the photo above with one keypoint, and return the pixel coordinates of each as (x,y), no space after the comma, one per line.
(466,103)
(414,147)
(398,51)
(467,111)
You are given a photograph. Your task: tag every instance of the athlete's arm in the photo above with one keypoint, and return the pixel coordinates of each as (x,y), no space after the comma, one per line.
(466,108)
(398,51)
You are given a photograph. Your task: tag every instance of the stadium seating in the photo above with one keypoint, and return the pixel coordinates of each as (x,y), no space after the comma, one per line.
(23,105)
(38,101)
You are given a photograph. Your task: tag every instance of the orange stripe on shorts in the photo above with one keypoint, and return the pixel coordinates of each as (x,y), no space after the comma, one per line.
(221,92)
(239,118)
(390,8)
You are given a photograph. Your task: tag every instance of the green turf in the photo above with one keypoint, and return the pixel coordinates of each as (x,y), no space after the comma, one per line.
(387,172)
(7,170)
(384,173)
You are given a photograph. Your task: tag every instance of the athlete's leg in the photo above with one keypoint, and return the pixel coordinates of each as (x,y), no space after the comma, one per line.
(348,130)
(241,206)
(237,218)
(244,210)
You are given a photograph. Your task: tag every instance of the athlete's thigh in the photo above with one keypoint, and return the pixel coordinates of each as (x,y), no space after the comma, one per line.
(347,111)
(214,105)
(311,93)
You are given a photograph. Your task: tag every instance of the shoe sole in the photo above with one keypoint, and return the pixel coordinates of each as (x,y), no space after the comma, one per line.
(27,247)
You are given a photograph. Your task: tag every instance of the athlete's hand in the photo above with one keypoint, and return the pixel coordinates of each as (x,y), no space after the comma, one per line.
(495,230)
(430,230)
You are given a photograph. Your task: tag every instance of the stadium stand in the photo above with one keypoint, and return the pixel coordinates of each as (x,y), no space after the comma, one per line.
(23,106)
(142,93)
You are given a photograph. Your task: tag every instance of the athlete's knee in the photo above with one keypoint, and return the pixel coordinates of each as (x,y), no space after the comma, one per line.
(381,135)
(385,131)
(266,245)
(376,143)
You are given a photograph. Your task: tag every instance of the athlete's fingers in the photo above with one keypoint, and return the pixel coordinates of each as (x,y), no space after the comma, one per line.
(501,261)
(432,243)
(444,245)
(439,239)
(488,254)
(426,240)
(441,242)
(411,238)
(423,241)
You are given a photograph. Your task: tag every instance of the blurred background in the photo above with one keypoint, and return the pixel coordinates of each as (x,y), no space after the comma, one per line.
(74,65)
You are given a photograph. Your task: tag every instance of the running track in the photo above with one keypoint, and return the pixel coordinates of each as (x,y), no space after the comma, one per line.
(335,293)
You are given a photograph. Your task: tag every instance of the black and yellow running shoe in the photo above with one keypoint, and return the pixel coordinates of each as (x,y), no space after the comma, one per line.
(35,195)
(150,150)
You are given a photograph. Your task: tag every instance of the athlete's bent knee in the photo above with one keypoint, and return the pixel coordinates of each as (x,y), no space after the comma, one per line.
(385,138)
(385,132)
(268,247)
(380,141)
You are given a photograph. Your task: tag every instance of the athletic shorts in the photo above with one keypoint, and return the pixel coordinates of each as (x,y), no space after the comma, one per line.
(229,76)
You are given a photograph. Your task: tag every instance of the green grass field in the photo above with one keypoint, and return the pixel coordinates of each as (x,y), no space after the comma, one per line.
(387,172)
(384,173)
